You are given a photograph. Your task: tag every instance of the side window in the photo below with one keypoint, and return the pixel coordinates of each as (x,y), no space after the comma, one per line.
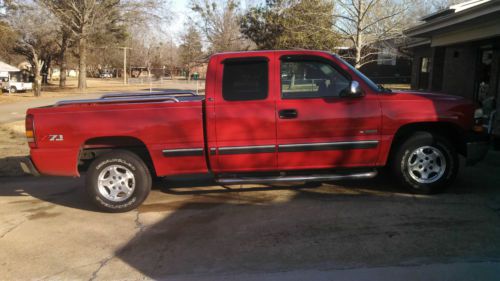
(311,79)
(245,80)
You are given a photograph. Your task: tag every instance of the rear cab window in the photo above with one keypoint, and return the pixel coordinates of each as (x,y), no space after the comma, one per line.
(245,80)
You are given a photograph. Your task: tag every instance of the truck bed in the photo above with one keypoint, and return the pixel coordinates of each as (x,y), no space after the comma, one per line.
(159,122)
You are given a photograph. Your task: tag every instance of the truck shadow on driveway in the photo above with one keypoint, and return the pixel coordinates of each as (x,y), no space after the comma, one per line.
(203,230)
(248,230)
(482,179)
(69,192)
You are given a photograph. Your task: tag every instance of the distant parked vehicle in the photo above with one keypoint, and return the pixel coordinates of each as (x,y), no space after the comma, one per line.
(106,75)
(13,86)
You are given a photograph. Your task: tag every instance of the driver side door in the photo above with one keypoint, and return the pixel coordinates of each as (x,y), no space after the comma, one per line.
(318,126)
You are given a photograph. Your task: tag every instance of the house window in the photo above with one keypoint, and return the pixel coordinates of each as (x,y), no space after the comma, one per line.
(386,57)
(424,65)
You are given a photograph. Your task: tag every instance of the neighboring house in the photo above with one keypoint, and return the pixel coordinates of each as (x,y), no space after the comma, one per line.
(201,69)
(388,65)
(457,51)
(5,69)
(13,79)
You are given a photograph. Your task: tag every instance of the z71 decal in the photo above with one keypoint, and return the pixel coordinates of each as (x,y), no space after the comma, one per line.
(56,137)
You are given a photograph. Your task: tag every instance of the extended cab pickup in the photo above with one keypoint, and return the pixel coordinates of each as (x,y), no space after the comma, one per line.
(267,116)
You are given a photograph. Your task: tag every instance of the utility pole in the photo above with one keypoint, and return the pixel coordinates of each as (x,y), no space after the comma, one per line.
(125,63)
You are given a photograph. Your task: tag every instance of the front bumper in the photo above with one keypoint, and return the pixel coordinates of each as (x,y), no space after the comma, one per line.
(477,146)
(28,167)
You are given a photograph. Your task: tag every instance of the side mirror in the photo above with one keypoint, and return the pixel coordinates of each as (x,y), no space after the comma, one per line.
(355,90)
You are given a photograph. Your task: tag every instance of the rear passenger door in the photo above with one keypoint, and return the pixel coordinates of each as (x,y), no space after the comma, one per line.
(319,127)
(245,115)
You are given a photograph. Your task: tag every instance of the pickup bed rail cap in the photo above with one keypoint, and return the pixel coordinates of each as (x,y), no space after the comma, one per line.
(150,94)
(117,100)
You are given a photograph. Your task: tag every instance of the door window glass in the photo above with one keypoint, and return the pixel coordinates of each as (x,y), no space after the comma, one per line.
(245,80)
(310,79)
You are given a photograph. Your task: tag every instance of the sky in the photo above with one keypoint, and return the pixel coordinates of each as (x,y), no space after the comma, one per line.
(180,9)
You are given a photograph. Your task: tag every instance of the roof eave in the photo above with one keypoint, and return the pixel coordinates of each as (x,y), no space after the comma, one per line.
(424,30)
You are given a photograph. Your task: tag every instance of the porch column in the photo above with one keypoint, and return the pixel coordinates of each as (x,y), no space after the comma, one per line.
(437,69)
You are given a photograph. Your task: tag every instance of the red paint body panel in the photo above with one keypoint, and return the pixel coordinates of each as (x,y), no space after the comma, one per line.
(214,123)
(158,126)
(243,123)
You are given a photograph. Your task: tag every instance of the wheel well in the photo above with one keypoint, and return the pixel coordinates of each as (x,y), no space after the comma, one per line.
(450,131)
(93,148)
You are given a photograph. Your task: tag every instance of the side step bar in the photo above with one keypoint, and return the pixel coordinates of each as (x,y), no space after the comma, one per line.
(284,179)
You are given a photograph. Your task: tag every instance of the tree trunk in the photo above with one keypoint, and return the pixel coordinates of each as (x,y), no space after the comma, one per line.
(358,58)
(358,44)
(45,69)
(62,60)
(82,75)
(37,68)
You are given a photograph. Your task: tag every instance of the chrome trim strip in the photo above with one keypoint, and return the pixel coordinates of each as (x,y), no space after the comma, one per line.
(328,146)
(228,150)
(374,131)
(153,94)
(183,152)
(328,177)
(117,100)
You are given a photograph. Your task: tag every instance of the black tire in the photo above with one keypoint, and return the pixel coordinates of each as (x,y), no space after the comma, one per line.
(13,90)
(129,164)
(412,180)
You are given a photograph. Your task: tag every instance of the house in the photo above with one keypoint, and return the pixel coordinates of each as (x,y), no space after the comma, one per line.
(6,68)
(13,79)
(457,51)
(387,64)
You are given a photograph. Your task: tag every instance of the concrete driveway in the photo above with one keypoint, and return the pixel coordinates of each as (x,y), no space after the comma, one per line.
(194,230)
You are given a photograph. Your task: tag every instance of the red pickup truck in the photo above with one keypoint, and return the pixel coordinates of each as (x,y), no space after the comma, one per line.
(266,117)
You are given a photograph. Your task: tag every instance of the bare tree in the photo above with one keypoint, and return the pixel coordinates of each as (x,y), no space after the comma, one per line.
(37,37)
(363,23)
(220,24)
(64,42)
(83,17)
(7,34)
(86,18)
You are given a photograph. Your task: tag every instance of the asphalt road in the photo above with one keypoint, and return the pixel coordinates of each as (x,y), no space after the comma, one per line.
(193,230)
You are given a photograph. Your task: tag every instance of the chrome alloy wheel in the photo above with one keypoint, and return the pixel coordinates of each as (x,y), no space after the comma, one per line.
(116,183)
(426,164)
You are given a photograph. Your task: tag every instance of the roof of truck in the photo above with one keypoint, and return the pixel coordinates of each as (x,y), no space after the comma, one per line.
(272,51)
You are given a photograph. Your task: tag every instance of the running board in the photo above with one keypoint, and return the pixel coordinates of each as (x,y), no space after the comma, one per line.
(284,179)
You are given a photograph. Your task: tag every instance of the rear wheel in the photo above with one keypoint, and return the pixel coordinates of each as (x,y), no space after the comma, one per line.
(426,163)
(118,181)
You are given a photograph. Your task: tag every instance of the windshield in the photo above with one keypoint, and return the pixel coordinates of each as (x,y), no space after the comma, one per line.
(367,80)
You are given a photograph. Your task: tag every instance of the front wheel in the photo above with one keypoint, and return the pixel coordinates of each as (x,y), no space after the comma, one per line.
(426,163)
(118,181)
